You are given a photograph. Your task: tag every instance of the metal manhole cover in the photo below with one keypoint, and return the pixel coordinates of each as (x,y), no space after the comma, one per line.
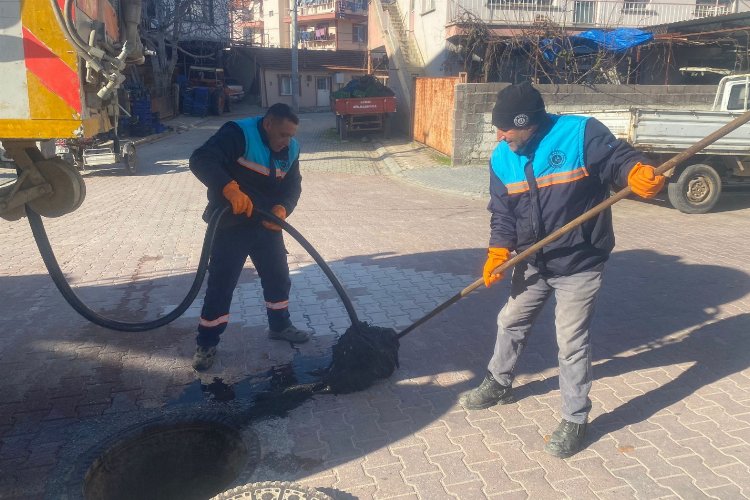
(276,490)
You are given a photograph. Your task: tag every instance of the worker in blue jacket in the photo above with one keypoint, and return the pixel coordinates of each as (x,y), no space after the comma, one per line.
(546,171)
(249,162)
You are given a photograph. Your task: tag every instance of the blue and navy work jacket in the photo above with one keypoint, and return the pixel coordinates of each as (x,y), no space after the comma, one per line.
(567,169)
(258,156)
(239,151)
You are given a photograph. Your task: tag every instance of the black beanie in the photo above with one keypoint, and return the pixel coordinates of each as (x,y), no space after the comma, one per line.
(518,106)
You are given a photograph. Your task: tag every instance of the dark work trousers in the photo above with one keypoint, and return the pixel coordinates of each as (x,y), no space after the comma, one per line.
(232,246)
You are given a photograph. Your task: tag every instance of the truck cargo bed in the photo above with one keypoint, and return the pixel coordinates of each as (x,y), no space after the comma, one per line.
(671,131)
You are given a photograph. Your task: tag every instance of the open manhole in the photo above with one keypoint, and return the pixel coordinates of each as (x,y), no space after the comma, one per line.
(167,460)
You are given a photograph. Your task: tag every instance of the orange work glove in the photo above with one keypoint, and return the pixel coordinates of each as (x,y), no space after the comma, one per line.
(643,182)
(495,257)
(241,203)
(280,212)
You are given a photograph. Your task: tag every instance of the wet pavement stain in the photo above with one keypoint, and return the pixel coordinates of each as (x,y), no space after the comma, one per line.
(273,392)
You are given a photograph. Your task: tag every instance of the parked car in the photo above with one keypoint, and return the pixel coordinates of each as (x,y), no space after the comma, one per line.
(235,90)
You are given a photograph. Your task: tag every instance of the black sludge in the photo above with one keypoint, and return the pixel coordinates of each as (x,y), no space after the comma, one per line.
(363,354)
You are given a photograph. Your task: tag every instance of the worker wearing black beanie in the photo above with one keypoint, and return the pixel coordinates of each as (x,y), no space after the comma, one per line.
(518,106)
(545,172)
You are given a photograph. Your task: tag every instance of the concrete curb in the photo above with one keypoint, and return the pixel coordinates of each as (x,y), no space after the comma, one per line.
(391,165)
(394,169)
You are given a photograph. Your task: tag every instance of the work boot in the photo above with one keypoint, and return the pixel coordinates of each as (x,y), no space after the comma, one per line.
(291,334)
(203,358)
(489,393)
(567,440)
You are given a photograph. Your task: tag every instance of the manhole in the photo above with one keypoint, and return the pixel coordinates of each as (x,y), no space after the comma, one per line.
(166,460)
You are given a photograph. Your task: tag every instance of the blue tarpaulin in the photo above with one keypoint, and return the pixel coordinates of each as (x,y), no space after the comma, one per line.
(616,40)
(588,42)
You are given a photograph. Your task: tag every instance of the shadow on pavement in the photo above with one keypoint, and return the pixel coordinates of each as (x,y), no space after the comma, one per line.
(646,299)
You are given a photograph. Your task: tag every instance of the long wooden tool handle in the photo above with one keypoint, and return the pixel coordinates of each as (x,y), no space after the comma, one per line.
(660,170)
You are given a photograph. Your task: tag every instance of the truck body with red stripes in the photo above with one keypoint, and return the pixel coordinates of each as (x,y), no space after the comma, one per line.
(62,62)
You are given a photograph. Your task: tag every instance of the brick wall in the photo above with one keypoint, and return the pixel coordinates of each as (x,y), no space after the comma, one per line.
(474,137)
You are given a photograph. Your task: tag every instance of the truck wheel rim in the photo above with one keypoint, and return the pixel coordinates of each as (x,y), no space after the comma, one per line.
(66,185)
(699,189)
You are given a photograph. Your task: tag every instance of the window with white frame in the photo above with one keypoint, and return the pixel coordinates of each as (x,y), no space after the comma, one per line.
(359,33)
(428,6)
(635,6)
(285,85)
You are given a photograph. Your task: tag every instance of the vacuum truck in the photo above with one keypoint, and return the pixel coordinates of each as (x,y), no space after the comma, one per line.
(62,63)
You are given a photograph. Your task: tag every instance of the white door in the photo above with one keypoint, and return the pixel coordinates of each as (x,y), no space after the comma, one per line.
(322,83)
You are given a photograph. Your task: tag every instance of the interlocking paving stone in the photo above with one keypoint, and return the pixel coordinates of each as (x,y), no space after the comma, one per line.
(534,483)
(684,487)
(575,488)
(645,487)
(702,475)
(454,468)
(428,485)
(600,478)
(415,461)
(389,481)
(470,490)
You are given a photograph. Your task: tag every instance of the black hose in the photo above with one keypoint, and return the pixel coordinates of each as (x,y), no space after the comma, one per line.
(48,256)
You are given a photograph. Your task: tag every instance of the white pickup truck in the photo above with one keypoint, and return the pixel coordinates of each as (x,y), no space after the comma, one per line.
(696,185)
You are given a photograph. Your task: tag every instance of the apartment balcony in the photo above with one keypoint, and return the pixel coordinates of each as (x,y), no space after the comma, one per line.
(323,11)
(326,42)
(583,14)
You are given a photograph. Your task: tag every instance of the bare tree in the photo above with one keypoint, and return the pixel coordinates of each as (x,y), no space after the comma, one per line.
(170,22)
(542,51)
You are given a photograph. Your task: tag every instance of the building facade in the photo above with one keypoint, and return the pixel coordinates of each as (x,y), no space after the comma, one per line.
(321,24)
(438,28)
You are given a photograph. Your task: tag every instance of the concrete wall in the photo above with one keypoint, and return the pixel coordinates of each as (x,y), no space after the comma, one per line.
(375,36)
(429,32)
(276,31)
(427,25)
(474,137)
(344,36)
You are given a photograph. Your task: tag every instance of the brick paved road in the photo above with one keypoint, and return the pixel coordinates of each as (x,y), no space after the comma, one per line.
(671,415)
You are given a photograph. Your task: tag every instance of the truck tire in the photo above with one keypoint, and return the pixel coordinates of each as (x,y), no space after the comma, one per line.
(343,132)
(696,190)
(216,106)
(130,158)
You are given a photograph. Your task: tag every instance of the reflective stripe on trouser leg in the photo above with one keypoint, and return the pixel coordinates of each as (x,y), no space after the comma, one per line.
(576,297)
(528,293)
(209,330)
(269,258)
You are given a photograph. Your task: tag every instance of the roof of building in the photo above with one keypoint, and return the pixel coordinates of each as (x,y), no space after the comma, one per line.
(709,24)
(310,60)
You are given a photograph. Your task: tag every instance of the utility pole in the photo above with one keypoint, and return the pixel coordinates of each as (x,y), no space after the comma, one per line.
(295,65)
